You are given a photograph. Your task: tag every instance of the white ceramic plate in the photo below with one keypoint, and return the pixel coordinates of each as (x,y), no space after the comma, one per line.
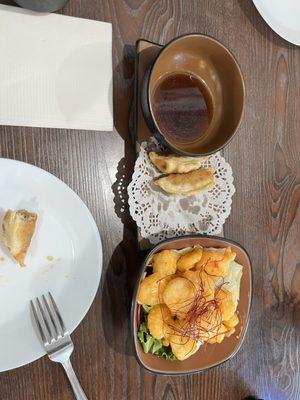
(65,231)
(282,16)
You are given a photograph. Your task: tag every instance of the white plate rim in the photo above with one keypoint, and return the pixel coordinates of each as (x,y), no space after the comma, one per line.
(97,238)
(285,34)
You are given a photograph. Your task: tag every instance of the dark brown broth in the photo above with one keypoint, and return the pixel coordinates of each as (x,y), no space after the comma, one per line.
(182,107)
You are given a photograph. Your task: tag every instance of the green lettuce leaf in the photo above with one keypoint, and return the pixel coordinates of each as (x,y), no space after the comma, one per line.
(146,308)
(166,352)
(149,343)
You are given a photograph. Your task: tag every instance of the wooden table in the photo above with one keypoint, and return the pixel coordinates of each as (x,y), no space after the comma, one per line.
(265,214)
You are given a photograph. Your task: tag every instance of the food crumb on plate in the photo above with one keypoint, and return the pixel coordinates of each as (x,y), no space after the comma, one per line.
(2,259)
(49,258)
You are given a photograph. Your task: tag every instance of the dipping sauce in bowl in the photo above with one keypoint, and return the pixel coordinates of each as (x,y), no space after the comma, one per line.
(182,107)
(192,95)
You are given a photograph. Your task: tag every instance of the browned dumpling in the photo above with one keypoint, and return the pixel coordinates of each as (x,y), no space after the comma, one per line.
(172,163)
(17,230)
(187,184)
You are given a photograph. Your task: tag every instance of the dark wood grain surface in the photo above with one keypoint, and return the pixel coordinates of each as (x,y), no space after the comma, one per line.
(265,214)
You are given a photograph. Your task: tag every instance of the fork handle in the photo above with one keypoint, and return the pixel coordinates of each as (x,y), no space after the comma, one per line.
(77,389)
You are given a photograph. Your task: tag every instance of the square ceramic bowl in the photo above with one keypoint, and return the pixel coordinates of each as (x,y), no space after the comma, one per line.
(209,355)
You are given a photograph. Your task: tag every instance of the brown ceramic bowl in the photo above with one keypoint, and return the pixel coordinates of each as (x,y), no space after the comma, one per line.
(207,59)
(44,6)
(209,355)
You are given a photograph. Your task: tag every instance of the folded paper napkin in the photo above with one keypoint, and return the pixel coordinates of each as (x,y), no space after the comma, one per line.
(55,71)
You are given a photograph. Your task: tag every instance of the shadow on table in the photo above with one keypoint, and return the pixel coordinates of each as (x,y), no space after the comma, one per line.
(117,292)
(123,120)
(8,3)
(119,278)
(259,24)
(244,391)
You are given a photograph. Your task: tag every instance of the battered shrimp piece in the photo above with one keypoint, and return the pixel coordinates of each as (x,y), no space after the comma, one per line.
(229,332)
(208,323)
(215,263)
(179,295)
(226,304)
(219,335)
(158,318)
(183,347)
(151,289)
(202,281)
(165,261)
(188,261)
(208,286)
(231,324)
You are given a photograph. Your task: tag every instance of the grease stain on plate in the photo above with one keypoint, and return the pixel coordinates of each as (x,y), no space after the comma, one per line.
(49,267)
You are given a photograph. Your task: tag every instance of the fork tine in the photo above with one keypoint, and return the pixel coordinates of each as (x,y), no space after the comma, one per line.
(45,302)
(44,319)
(36,318)
(61,322)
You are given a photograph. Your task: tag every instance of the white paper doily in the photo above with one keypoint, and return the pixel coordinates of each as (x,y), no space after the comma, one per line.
(160,216)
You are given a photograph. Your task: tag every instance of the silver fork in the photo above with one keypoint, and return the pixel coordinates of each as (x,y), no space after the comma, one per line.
(55,337)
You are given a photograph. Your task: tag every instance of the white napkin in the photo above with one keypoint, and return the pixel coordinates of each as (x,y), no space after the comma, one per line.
(55,71)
